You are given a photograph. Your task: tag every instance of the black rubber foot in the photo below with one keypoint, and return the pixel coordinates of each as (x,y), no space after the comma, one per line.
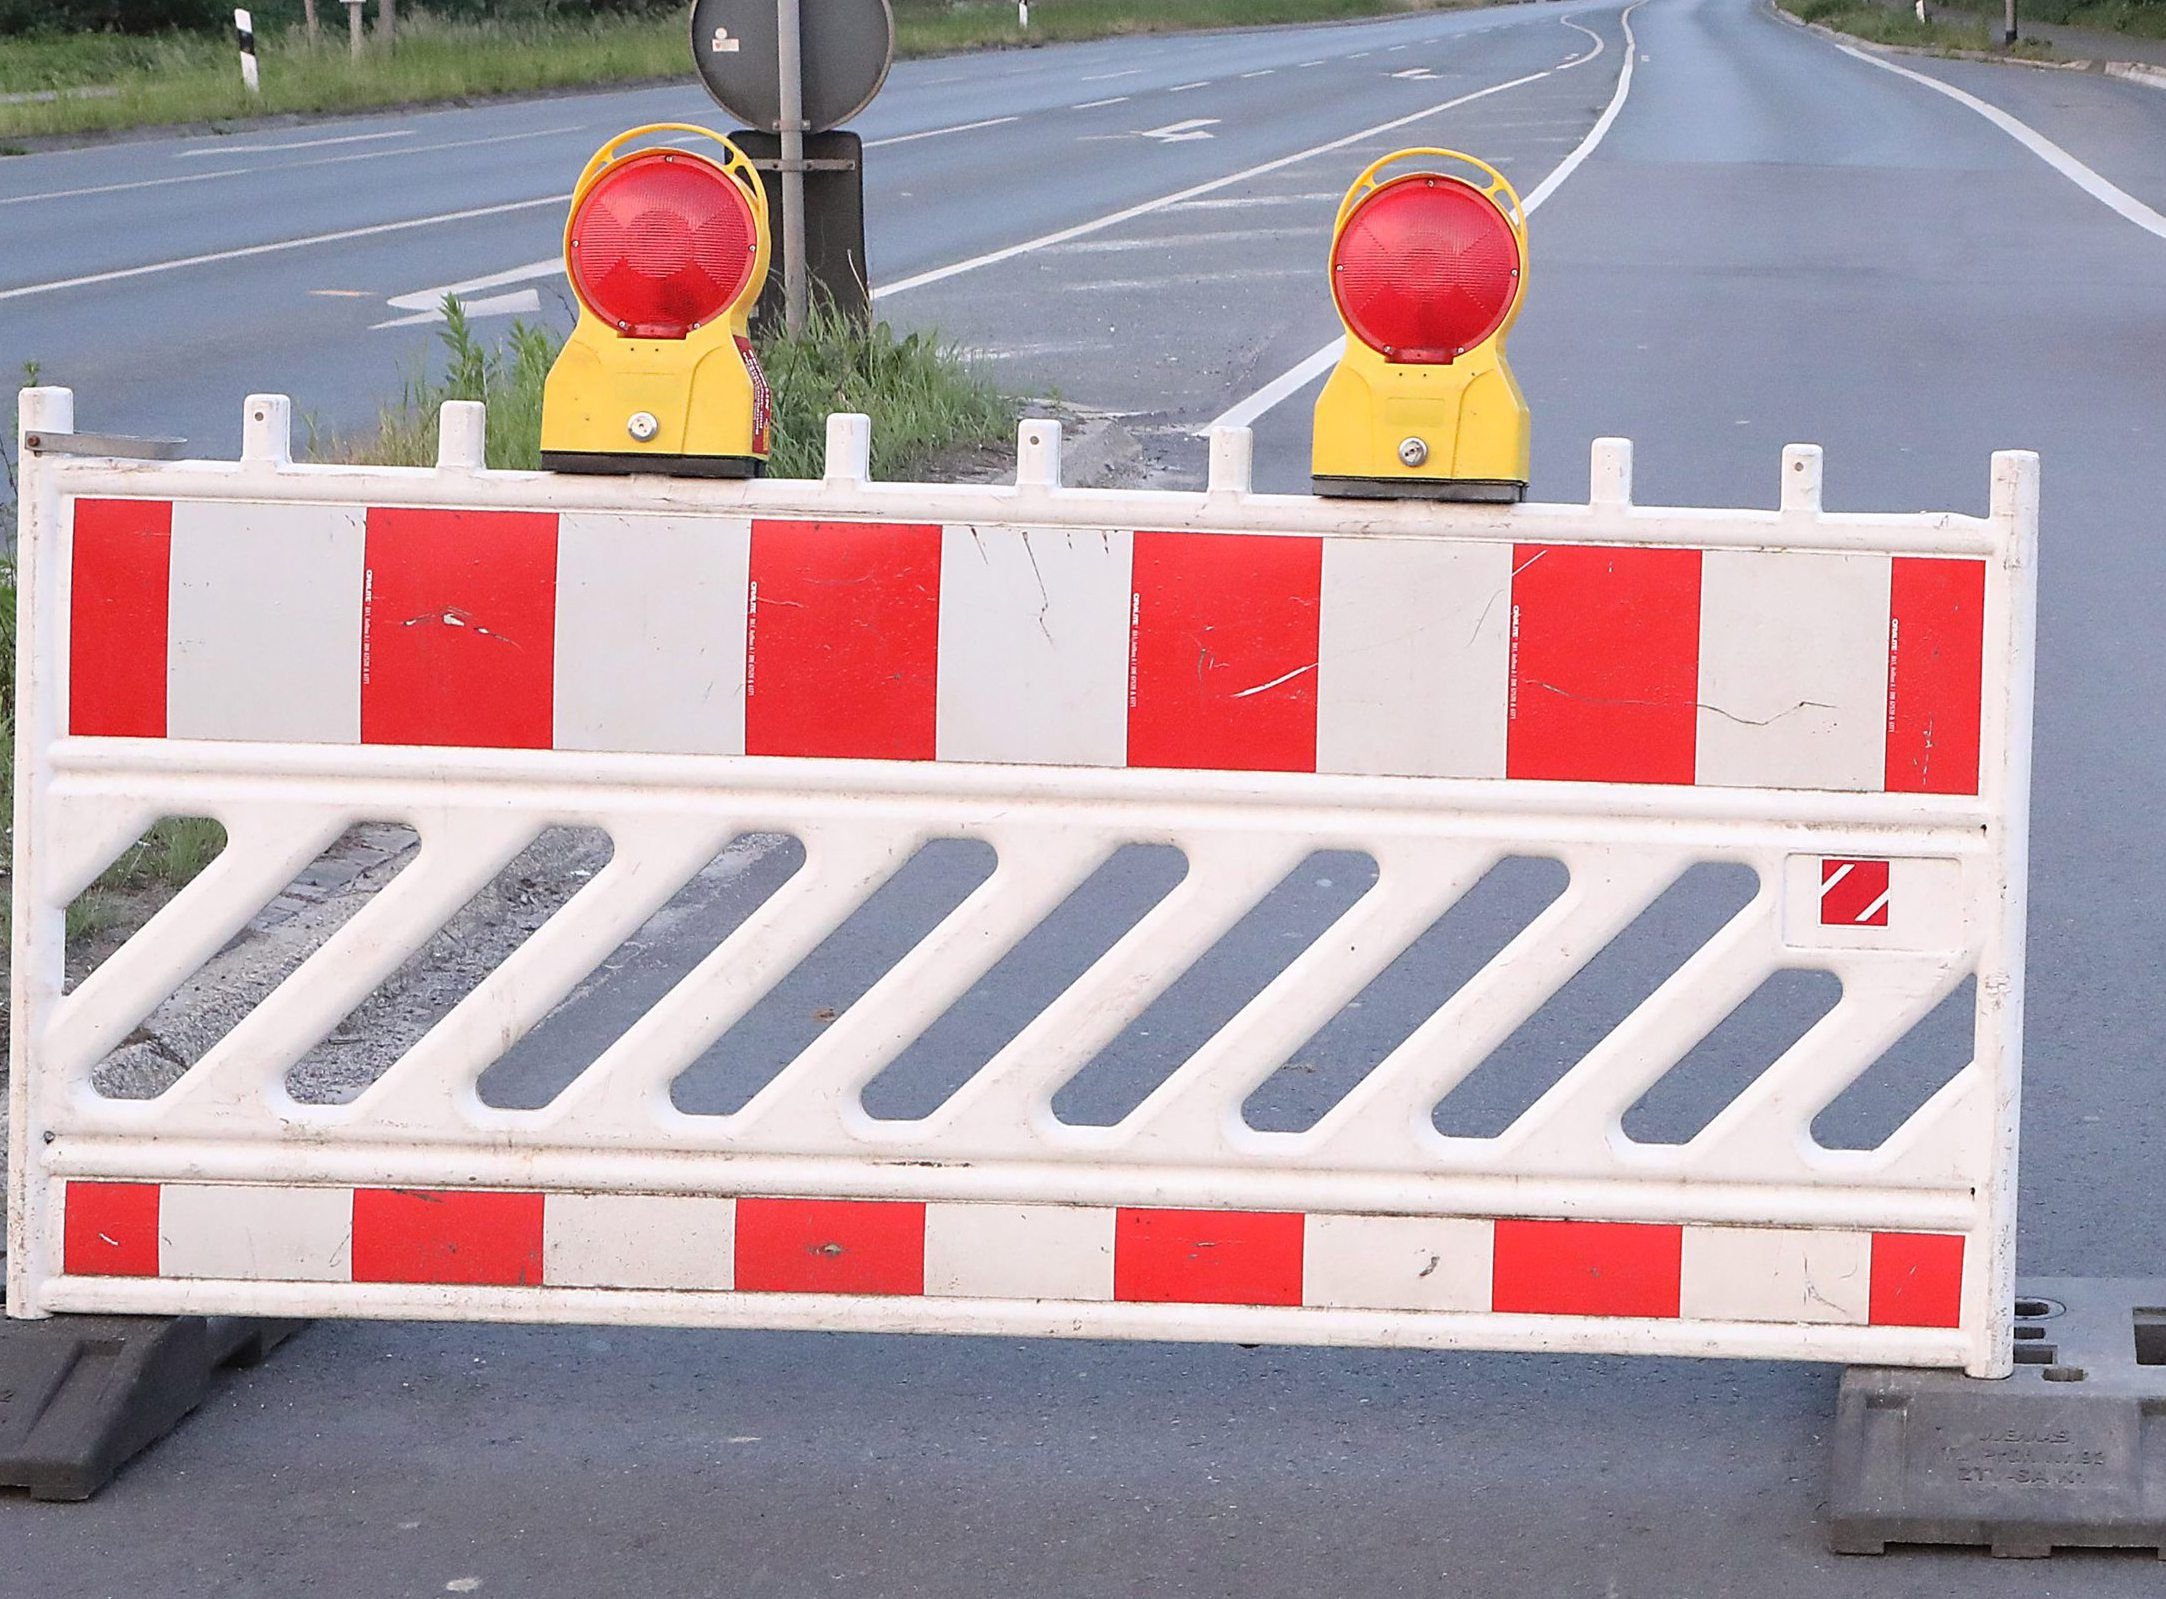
(606,464)
(81,1396)
(2069,1453)
(1463,491)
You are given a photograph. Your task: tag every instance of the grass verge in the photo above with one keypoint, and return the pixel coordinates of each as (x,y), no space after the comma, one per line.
(181,78)
(1883,24)
(925,397)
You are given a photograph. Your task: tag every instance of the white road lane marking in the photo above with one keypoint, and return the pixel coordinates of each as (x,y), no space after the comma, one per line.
(1093,105)
(2107,193)
(211,257)
(294,144)
(1267,71)
(1183,88)
(1197,191)
(522,302)
(427,304)
(1242,202)
(934,133)
(1163,241)
(288,166)
(1181,132)
(1243,413)
(1245,275)
(1108,77)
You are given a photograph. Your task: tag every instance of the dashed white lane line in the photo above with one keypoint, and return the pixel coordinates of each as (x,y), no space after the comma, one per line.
(1196,191)
(1242,413)
(1139,285)
(289,166)
(210,257)
(2102,189)
(934,133)
(1093,105)
(1183,88)
(1267,72)
(292,144)
(1108,77)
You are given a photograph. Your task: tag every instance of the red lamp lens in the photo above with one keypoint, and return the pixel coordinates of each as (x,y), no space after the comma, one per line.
(662,243)
(1425,269)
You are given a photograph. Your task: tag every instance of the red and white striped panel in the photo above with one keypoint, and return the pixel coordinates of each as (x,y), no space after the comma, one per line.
(986,1251)
(1212,651)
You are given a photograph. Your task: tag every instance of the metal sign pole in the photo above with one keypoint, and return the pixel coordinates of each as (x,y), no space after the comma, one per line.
(790,52)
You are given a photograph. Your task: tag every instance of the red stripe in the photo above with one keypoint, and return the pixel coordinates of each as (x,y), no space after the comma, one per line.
(1223,652)
(1936,674)
(110,1230)
(1587,1268)
(1917,1280)
(1207,1257)
(123,566)
(458,629)
(842,640)
(830,1246)
(413,1235)
(1605,664)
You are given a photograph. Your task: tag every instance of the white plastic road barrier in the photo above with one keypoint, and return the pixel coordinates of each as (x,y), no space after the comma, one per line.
(1840,703)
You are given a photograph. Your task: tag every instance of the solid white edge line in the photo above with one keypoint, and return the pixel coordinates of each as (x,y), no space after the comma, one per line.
(2101,189)
(1295,378)
(1145,208)
(283,244)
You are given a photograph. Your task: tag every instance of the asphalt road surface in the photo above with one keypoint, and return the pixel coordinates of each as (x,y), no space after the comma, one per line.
(1775,241)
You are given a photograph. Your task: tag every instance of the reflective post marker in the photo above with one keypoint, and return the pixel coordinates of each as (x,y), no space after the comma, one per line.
(790,50)
(244,28)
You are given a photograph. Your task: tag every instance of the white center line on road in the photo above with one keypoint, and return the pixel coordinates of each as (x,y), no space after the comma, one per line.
(1267,71)
(288,166)
(2099,188)
(1108,77)
(1295,378)
(1196,191)
(211,256)
(1311,63)
(296,144)
(1183,88)
(934,133)
(1093,105)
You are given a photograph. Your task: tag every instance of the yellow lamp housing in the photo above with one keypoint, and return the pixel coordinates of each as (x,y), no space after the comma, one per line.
(1428,269)
(667,250)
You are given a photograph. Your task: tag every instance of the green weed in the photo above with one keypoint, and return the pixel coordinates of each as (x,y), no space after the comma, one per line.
(923,394)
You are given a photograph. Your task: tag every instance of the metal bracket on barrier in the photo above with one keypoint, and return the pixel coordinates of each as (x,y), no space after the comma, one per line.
(113,446)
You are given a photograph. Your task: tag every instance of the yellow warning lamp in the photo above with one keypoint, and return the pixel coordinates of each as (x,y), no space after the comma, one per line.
(1427,269)
(667,250)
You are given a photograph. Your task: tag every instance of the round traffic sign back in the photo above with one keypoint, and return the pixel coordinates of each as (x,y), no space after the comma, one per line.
(847,47)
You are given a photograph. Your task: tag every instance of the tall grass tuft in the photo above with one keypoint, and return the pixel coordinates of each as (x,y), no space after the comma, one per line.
(924,395)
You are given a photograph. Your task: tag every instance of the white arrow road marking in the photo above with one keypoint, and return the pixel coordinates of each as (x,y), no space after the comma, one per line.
(1181,132)
(427,304)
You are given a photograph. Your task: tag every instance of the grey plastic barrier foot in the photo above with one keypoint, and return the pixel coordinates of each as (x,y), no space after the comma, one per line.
(80,1396)
(2070,1452)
